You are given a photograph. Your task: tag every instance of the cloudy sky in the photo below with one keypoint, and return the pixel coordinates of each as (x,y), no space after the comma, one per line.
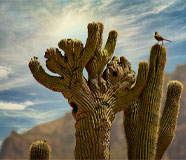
(29,27)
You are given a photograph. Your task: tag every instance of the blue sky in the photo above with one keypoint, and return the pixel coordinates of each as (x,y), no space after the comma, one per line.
(29,27)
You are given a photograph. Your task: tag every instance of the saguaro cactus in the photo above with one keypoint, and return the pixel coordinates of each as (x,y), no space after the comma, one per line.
(40,150)
(94,101)
(146,137)
(107,91)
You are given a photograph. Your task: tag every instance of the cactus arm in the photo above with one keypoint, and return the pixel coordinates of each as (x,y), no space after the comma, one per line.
(92,66)
(130,125)
(169,117)
(55,62)
(108,51)
(91,43)
(51,82)
(110,44)
(149,106)
(101,57)
(127,96)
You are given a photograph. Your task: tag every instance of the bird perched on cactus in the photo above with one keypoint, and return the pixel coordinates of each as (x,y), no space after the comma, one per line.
(160,38)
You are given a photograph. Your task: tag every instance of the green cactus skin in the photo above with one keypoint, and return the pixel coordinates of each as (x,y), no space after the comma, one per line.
(40,150)
(147,138)
(130,119)
(94,101)
(169,117)
(149,106)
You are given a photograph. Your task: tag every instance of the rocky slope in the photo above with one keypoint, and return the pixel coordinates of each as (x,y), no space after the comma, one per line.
(60,134)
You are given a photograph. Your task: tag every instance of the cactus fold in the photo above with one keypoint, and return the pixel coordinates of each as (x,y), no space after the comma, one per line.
(39,150)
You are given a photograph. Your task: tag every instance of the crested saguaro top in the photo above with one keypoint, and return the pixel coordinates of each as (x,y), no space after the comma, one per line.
(116,82)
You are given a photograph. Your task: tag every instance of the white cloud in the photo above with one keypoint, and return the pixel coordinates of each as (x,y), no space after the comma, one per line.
(32,93)
(22,130)
(4,72)
(34,115)
(44,29)
(15,106)
(16,81)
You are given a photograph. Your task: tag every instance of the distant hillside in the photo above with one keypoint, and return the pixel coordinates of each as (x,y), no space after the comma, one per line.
(60,134)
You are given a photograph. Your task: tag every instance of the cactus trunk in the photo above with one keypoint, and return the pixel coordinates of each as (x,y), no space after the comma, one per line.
(149,110)
(93,135)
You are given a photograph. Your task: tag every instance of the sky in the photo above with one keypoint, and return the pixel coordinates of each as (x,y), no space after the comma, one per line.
(29,27)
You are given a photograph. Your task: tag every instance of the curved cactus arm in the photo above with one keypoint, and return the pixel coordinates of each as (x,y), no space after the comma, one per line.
(101,57)
(107,52)
(57,84)
(127,96)
(56,62)
(110,45)
(130,125)
(91,43)
(169,117)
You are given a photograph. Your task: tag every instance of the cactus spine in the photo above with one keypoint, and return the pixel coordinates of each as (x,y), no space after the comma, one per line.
(40,150)
(147,138)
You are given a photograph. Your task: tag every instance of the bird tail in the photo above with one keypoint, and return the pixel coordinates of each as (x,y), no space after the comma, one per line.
(167,40)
